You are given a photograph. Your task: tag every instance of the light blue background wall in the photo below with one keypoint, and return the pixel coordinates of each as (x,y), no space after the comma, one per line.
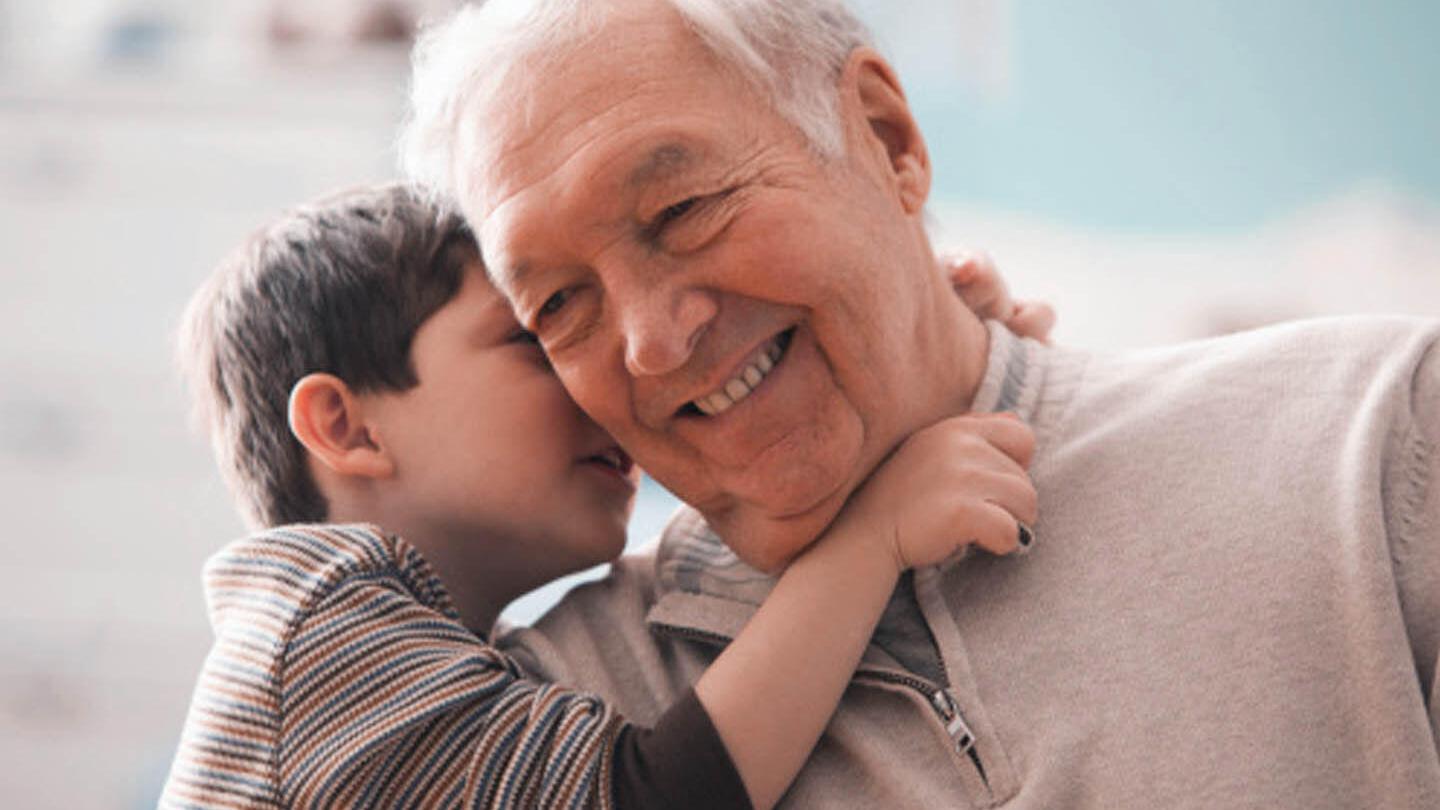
(1139,115)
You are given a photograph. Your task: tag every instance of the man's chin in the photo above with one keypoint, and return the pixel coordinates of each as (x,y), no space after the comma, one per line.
(768,543)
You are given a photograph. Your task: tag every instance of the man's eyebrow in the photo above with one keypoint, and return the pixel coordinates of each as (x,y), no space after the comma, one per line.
(662,163)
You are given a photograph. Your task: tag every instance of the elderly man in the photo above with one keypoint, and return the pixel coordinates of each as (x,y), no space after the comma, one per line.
(711,212)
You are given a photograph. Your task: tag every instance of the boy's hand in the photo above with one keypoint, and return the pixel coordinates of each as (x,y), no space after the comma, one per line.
(957,482)
(974,277)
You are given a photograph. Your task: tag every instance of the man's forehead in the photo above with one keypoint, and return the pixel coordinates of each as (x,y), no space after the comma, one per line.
(522,130)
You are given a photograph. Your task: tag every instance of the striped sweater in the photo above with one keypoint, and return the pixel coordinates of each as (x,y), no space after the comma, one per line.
(341,676)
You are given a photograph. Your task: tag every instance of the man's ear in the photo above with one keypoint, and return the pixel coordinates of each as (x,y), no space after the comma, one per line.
(870,83)
(327,418)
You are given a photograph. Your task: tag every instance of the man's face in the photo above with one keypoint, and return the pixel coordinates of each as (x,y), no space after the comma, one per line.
(751,322)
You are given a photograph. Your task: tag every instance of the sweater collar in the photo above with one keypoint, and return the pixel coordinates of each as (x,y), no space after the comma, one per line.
(1012,374)
(708,593)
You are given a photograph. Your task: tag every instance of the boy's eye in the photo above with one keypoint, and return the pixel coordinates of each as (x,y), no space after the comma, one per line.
(524,336)
(531,345)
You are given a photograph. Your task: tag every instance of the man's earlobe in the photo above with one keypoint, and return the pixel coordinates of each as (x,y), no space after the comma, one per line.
(892,125)
(326,417)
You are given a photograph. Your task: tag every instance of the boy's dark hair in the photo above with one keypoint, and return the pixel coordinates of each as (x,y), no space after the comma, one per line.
(338,286)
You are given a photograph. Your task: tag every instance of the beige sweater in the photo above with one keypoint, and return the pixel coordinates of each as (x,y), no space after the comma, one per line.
(1233,600)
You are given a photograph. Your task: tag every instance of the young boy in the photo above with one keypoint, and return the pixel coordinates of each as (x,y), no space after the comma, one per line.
(357,371)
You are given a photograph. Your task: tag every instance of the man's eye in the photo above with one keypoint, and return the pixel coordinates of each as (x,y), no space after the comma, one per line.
(676,211)
(553,304)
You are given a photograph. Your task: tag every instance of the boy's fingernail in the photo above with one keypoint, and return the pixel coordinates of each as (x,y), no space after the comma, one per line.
(1026,537)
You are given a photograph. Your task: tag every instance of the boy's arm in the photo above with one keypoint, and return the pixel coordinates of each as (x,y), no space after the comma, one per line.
(773,690)
(336,680)
(385,701)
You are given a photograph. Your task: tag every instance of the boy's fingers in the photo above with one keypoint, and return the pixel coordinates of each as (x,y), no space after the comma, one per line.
(980,286)
(1032,319)
(994,529)
(1007,433)
(961,267)
(1010,491)
(1017,496)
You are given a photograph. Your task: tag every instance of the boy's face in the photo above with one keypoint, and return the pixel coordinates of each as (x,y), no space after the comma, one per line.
(493,457)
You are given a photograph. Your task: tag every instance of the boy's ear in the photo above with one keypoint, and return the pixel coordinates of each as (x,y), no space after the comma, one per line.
(327,418)
(888,117)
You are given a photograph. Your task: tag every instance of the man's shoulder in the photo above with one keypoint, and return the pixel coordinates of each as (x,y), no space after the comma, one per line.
(630,583)
(1322,355)
(1311,339)
(592,618)
(598,638)
(1321,375)
(635,582)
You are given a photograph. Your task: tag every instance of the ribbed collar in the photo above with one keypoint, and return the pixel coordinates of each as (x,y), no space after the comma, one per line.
(1013,374)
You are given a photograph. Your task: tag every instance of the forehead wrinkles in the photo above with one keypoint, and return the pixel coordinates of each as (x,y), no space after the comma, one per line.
(561,208)
(580,174)
(530,153)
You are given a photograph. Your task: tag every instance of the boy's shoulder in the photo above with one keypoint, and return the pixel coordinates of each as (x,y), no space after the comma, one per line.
(275,577)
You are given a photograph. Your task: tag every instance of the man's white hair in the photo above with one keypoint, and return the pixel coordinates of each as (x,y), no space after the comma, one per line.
(792,51)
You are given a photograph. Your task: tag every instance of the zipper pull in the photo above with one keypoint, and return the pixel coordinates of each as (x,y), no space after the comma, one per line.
(955,723)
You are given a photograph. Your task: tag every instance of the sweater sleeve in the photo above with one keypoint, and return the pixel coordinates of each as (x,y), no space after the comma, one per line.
(386,702)
(682,762)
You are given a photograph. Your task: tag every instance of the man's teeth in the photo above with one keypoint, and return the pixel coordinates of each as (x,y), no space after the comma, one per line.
(756,369)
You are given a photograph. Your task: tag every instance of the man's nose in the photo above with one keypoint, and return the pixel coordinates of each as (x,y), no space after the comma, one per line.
(662,327)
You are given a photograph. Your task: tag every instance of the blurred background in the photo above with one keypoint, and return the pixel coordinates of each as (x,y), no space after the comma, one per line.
(1158,171)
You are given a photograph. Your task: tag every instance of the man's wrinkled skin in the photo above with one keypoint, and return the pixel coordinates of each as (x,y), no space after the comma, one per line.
(657,224)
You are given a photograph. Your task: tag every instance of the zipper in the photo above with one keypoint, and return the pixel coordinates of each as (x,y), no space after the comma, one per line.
(938,698)
(955,723)
(946,708)
(692,634)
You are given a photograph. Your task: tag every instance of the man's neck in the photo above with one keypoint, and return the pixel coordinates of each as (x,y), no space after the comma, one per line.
(973,334)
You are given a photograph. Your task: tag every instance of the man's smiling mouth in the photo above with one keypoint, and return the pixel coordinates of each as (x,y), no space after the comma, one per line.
(751,373)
